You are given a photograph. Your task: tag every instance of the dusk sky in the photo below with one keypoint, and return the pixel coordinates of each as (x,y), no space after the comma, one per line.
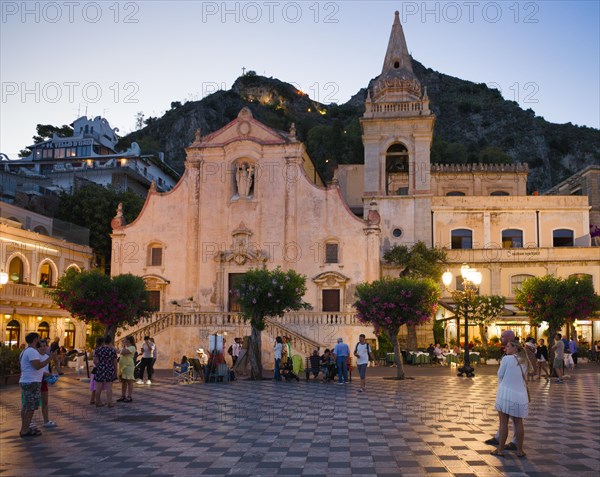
(115,59)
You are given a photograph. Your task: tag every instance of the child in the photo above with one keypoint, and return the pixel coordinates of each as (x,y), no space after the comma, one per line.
(99,342)
(44,350)
(184,366)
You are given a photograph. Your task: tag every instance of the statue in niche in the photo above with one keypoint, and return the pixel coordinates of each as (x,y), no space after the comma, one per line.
(244,179)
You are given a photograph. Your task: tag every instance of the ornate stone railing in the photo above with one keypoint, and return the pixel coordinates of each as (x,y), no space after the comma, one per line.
(221,321)
(300,343)
(318,318)
(403,108)
(26,294)
(452,168)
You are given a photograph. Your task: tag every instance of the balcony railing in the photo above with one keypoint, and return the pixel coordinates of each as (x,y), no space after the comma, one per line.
(14,292)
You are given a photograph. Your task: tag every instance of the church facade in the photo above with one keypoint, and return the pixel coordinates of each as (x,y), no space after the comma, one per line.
(250,197)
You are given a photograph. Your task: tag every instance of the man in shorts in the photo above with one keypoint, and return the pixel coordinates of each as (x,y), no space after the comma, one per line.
(559,355)
(32,373)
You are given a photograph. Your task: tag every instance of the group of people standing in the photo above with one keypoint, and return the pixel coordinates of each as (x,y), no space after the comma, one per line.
(110,363)
(332,361)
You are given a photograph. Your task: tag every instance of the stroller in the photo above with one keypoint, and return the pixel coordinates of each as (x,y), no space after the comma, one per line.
(287,371)
(137,371)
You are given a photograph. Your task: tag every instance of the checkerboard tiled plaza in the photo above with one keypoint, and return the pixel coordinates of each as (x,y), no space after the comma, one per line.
(433,425)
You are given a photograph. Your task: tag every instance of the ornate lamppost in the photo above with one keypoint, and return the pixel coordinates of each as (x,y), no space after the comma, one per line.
(463,301)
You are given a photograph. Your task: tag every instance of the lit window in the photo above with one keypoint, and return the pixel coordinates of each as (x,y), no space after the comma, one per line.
(512,238)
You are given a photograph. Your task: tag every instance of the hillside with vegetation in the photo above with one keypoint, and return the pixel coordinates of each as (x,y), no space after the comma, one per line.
(473,124)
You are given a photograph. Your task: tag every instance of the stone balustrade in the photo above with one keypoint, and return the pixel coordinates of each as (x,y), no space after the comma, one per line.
(15,292)
(395,109)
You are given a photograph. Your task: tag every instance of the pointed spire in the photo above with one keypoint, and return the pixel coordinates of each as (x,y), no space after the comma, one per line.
(396,57)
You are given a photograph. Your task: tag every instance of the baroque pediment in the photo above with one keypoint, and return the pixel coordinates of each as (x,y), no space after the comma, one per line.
(243,128)
(331,279)
(242,249)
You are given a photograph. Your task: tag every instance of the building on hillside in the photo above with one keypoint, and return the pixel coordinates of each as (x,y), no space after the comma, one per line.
(584,183)
(34,252)
(250,197)
(89,156)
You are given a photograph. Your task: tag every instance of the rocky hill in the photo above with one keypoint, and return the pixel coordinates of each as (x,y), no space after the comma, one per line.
(473,124)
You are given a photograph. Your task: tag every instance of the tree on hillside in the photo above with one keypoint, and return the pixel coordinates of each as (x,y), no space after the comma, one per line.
(557,301)
(93,207)
(418,261)
(45,132)
(92,296)
(262,293)
(390,303)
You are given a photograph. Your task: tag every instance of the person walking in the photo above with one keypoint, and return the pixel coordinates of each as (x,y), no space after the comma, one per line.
(341,353)
(147,360)
(127,368)
(277,352)
(105,360)
(542,360)
(32,372)
(530,352)
(362,351)
(512,399)
(559,356)
(236,349)
(573,349)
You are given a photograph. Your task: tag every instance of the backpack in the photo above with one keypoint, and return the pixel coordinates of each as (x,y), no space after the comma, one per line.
(368,348)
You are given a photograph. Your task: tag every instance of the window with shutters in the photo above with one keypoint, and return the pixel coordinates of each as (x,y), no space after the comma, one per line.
(331,253)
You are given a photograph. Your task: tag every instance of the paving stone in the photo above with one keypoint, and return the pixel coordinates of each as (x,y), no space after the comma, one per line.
(256,432)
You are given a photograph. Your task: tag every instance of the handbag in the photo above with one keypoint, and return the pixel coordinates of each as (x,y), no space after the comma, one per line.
(524,380)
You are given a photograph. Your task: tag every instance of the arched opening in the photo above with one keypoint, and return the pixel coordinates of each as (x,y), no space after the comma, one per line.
(46,275)
(15,270)
(455,193)
(461,238)
(499,192)
(40,229)
(396,169)
(512,238)
(562,238)
(517,280)
(12,336)
(44,330)
(69,335)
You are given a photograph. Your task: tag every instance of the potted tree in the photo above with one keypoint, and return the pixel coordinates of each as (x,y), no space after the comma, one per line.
(10,368)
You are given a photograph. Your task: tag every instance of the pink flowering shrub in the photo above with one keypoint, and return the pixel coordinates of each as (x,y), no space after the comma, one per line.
(91,295)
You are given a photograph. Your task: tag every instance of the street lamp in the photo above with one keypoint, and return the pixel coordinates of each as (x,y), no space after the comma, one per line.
(463,299)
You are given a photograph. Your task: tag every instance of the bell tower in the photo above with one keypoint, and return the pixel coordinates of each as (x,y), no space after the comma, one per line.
(397,127)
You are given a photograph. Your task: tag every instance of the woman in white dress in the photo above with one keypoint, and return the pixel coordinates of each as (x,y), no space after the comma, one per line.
(512,399)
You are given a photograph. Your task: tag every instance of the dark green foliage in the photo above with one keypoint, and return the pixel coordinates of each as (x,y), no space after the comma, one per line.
(438,332)
(419,261)
(94,206)
(46,131)
(265,293)
(9,361)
